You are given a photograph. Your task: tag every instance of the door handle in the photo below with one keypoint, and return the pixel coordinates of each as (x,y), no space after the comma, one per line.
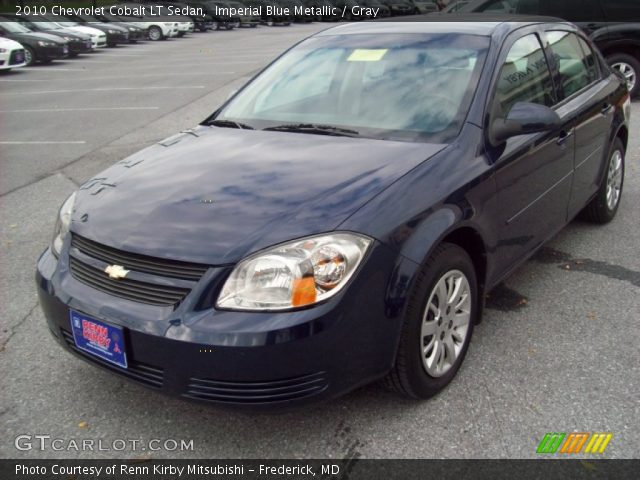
(564,136)
(606,108)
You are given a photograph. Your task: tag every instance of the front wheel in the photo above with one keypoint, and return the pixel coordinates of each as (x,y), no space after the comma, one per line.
(629,67)
(438,323)
(155,33)
(604,206)
(29,55)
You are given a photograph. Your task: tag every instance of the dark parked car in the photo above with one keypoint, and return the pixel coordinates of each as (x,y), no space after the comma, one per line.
(77,42)
(614,26)
(136,33)
(383,10)
(276,17)
(38,47)
(246,19)
(115,33)
(398,7)
(341,217)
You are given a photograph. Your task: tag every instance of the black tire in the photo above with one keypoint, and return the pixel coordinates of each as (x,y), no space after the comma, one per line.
(29,55)
(598,210)
(633,63)
(181,34)
(408,376)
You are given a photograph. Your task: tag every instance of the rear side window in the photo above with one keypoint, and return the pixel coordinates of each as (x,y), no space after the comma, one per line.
(621,10)
(524,77)
(590,60)
(570,62)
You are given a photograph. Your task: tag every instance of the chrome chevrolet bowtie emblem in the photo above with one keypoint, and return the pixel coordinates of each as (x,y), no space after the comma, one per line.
(116,272)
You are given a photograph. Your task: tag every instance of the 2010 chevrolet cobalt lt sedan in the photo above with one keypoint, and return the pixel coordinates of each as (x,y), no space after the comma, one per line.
(340,218)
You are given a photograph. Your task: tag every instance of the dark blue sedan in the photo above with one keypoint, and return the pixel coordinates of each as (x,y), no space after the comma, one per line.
(340,219)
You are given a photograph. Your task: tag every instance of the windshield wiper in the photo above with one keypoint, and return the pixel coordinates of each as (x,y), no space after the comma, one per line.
(229,124)
(314,128)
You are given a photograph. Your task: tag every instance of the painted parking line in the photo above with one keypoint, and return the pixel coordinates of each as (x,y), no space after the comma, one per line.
(112,89)
(71,142)
(89,109)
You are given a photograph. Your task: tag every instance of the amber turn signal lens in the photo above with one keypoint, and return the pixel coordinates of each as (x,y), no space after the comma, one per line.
(304,292)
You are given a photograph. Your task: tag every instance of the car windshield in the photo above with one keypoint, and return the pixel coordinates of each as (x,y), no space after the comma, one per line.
(13,27)
(48,25)
(412,87)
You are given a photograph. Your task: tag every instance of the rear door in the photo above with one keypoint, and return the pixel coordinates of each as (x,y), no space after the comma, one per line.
(533,172)
(585,96)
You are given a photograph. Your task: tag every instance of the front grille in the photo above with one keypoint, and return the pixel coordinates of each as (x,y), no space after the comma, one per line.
(139,263)
(133,290)
(139,372)
(256,392)
(17,56)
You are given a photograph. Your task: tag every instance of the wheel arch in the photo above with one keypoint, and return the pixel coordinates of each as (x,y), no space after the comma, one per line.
(466,236)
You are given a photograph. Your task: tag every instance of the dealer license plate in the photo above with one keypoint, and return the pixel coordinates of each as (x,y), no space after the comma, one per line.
(98,338)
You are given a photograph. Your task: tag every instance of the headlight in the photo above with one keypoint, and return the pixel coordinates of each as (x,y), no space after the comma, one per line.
(44,44)
(3,50)
(68,38)
(294,274)
(62,224)
(112,31)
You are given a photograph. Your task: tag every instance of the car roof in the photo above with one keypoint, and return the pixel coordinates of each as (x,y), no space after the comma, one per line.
(468,23)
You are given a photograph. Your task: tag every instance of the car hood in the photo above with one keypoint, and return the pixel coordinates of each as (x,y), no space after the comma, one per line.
(9,44)
(35,36)
(211,195)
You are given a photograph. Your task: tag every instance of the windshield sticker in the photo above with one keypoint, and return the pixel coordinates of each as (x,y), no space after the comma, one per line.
(366,55)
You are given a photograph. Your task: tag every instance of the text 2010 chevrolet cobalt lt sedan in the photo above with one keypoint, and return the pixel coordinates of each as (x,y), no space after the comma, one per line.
(340,218)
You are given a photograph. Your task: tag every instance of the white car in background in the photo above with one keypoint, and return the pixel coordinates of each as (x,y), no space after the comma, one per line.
(185,25)
(11,54)
(98,37)
(158,27)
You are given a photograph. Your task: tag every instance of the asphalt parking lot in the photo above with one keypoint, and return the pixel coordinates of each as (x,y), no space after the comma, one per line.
(557,351)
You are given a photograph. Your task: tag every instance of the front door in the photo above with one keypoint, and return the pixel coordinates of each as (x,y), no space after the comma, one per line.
(533,172)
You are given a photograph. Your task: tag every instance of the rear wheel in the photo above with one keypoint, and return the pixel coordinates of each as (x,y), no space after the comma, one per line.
(155,33)
(604,206)
(29,55)
(181,34)
(629,67)
(438,324)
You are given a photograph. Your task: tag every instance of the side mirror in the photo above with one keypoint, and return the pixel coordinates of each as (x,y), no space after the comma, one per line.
(522,119)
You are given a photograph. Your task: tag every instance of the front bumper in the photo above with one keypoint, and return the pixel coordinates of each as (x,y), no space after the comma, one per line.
(265,360)
(52,52)
(80,46)
(116,38)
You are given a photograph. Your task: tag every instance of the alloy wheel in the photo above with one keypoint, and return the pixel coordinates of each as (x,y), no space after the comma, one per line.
(28,57)
(614,180)
(628,72)
(445,323)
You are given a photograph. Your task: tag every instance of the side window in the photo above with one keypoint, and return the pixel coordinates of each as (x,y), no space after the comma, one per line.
(569,61)
(524,77)
(590,60)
